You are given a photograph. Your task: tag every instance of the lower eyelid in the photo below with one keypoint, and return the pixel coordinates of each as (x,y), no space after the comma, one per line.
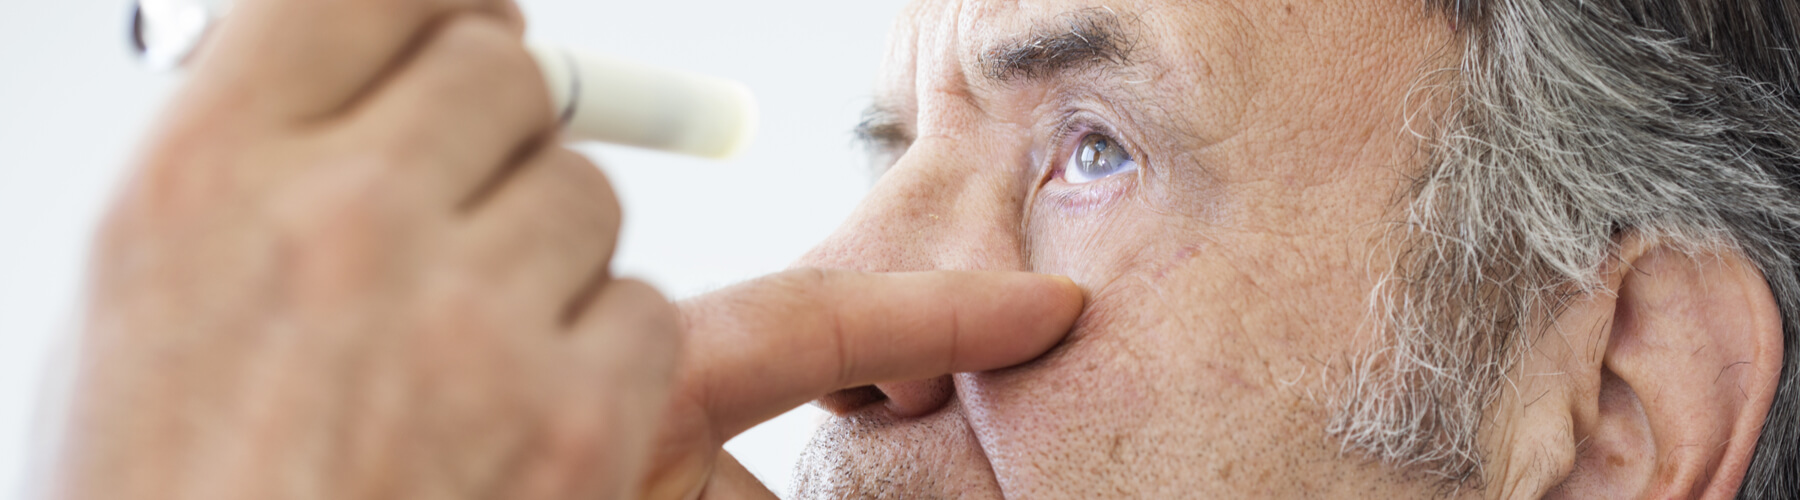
(1078,199)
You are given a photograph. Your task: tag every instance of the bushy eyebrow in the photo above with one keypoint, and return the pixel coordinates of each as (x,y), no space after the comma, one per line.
(1074,41)
(1083,39)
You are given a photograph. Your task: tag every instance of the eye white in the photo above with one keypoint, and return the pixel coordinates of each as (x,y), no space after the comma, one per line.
(1097,157)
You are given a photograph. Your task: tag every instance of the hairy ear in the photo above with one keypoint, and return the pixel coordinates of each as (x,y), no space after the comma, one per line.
(1657,390)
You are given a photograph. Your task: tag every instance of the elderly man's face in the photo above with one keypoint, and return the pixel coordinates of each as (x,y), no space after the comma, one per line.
(1216,175)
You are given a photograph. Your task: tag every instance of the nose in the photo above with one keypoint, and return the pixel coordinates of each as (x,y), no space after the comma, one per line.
(948,203)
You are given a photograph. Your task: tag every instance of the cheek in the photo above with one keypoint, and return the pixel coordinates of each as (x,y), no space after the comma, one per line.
(1071,417)
(1196,360)
(1091,233)
(1117,227)
(1148,386)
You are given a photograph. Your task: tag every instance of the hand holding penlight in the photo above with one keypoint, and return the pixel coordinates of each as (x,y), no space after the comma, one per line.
(598,98)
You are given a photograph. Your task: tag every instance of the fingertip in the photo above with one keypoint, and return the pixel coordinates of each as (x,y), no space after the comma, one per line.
(1056,307)
(1017,316)
(1060,298)
(1071,292)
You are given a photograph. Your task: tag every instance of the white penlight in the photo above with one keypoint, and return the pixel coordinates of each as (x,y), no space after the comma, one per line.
(608,99)
(599,98)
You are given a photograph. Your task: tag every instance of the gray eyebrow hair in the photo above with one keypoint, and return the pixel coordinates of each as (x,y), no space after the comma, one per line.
(1081,39)
(1087,38)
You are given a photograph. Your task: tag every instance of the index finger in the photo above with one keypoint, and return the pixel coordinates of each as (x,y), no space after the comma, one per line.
(304,59)
(761,348)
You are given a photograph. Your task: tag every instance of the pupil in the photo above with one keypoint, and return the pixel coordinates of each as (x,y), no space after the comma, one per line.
(1096,159)
(1093,156)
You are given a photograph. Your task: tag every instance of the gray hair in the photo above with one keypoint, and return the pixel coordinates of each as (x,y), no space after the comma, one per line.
(1573,122)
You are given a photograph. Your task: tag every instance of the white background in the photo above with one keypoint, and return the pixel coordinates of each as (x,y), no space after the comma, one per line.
(73,105)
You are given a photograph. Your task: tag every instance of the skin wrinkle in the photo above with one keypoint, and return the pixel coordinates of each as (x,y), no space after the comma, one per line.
(1303,148)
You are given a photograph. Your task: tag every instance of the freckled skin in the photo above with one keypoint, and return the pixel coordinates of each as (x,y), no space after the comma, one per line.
(1227,278)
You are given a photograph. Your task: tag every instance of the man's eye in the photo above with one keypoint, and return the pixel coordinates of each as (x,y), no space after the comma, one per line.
(1098,157)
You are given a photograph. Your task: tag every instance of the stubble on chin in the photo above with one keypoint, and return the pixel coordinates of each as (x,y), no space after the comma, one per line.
(875,459)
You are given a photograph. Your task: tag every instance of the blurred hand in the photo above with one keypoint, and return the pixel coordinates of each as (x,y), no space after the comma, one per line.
(354,263)
(761,348)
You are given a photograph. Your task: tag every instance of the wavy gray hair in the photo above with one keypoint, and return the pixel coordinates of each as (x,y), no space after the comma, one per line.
(1574,121)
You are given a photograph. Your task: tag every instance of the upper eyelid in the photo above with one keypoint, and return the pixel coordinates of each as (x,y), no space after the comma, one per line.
(882,129)
(883,136)
(1075,125)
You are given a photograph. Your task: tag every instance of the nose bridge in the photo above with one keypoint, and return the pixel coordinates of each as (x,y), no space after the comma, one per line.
(951,202)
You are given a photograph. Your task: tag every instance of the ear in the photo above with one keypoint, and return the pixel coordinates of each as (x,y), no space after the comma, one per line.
(1656,390)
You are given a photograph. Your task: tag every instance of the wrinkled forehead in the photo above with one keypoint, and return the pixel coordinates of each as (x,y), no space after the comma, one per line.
(1215,68)
(958,47)
(945,39)
(950,35)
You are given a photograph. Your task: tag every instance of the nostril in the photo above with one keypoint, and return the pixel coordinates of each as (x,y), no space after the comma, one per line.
(909,399)
(847,401)
(914,398)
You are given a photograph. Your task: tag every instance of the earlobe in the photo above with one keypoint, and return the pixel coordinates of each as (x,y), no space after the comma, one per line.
(1685,378)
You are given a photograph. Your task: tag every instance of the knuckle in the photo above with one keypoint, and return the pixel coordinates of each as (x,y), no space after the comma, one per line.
(804,301)
(659,305)
(482,38)
(593,186)
(654,311)
(504,12)
(507,11)
(637,318)
(493,57)
(581,184)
